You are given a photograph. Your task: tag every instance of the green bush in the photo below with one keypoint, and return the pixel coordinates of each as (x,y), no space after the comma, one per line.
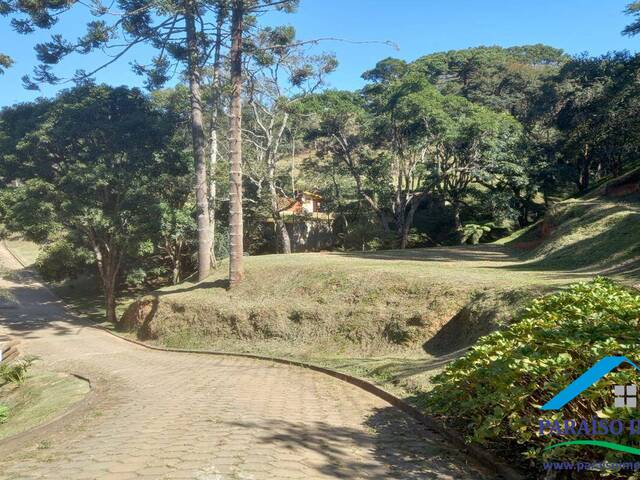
(4,413)
(62,259)
(472,232)
(15,372)
(494,392)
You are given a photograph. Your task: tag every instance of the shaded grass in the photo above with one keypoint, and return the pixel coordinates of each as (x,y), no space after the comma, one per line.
(42,397)
(25,250)
(592,235)
(7,299)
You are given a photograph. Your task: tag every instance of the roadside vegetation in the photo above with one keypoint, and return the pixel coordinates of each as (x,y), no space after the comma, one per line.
(594,233)
(493,393)
(31,396)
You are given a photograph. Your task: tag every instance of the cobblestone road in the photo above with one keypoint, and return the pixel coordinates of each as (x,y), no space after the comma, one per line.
(170,415)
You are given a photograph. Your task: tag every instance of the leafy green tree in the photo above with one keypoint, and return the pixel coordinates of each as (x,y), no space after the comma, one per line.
(339,127)
(595,110)
(504,79)
(633,28)
(16,123)
(438,145)
(408,124)
(104,151)
(183,34)
(175,29)
(404,142)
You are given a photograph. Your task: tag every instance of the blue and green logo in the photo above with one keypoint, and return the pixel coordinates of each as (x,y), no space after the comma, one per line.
(625,396)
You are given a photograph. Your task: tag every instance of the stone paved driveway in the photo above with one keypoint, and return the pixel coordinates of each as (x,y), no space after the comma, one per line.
(170,415)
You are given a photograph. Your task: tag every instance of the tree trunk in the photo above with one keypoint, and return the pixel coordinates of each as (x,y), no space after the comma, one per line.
(175,277)
(408,222)
(198,139)
(213,135)
(213,194)
(177,264)
(584,175)
(457,223)
(108,262)
(236,251)
(284,242)
(110,302)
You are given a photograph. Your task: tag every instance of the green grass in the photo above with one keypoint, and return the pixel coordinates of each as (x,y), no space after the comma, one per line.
(42,397)
(591,235)
(26,251)
(368,302)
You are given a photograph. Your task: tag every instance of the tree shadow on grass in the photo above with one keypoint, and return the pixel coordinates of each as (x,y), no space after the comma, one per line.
(221,283)
(594,254)
(391,445)
(474,253)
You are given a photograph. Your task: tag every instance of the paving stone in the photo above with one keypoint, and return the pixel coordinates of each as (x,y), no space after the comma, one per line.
(170,415)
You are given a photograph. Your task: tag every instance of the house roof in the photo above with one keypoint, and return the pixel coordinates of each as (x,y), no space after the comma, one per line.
(284,203)
(312,195)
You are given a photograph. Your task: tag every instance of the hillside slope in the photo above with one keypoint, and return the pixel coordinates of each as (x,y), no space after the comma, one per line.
(351,304)
(394,316)
(599,233)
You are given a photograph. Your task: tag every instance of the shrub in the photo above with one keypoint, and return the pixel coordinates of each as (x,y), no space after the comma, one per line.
(15,372)
(493,393)
(472,232)
(62,259)
(4,413)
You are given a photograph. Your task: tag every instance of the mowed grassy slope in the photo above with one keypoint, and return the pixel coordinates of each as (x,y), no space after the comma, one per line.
(363,304)
(45,395)
(599,234)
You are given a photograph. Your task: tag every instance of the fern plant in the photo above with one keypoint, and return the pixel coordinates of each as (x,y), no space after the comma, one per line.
(473,232)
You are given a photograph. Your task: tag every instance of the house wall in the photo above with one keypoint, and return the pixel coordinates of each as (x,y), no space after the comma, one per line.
(309,235)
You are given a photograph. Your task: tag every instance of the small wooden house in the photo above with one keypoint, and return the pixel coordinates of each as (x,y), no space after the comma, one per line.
(304,203)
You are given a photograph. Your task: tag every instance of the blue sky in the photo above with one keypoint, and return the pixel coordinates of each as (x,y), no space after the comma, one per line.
(417,26)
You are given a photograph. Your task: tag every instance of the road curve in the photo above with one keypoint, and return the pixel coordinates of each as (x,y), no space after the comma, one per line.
(167,415)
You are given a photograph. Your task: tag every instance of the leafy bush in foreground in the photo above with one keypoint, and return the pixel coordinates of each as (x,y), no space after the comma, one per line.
(493,393)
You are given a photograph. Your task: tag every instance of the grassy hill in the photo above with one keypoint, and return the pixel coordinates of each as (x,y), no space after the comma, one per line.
(365,302)
(395,316)
(599,233)
(385,315)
